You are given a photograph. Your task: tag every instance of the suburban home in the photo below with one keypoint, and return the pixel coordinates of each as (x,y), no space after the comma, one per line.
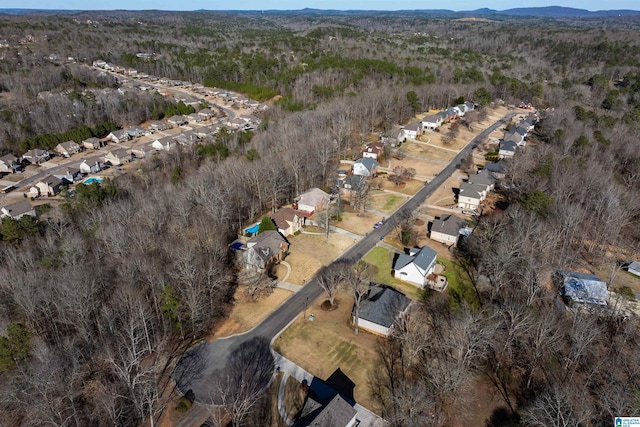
(50,185)
(142,151)
(431,122)
(380,309)
(136,131)
(68,148)
(634,268)
(460,110)
(311,201)
(373,150)
(264,250)
(415,267)
(470,106)
(582,288)
(444,116)
(288,221)
(452,113)
(365,167)
(36,156)
(9,163)
(71,175)
(186,138)
(194,118)
(207,113)
(329,403)
(118,136)
(507,149)
(118,157)
(160,126)
(525,104)
(92,143)
(18,210)
(352,184)
(497,169)
(393,137)
(483,177)
(446,229)
(164,144)
(412,130)
(86,168)
(471,195)
(177,120)
(205,131)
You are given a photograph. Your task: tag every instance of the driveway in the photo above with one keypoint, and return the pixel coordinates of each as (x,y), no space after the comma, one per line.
(198,368)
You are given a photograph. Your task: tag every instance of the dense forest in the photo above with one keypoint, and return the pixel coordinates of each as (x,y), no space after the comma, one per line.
(99,299)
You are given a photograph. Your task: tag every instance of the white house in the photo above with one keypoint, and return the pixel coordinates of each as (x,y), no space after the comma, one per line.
(393,137)
(634,268)
(373,150)
(67,148)
(507,149)
(412,130)
(484,177)
(177,120)
(36,156)
(379,311)
(415,267)
(86,168)
(18,210)
(92,143)
(471,195)
(312,200)
(446,229)
(9,163)
(164,144)
(288,221)
(365,167)
(432,122)
(118,157)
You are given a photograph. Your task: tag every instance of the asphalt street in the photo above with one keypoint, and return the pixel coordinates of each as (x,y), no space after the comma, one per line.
(201,364)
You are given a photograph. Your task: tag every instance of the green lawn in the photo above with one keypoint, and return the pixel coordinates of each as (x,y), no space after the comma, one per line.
(383,259)
(460,286)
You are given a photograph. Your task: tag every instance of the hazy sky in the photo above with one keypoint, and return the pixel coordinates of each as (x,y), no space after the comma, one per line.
(317,4)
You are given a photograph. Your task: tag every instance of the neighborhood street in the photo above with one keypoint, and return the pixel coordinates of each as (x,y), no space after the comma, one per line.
(199,366)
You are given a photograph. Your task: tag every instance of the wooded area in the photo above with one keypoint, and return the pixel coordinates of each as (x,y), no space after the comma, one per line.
(98,301)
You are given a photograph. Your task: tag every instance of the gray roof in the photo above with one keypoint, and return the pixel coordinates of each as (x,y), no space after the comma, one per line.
(449,225)
(383,305)
(336,413)
(19,208)
(413,126)
(423,258)
(495,167)
(508,145)
(69,145)
(368,162)
(432,118)
(483,178)
(9,159)
(634,265)
(51,180)
(584,288)
(120,134)
(354,181)
(36,152)
(469,189)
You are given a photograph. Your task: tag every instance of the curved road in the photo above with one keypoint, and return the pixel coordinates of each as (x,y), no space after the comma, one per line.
(199,366)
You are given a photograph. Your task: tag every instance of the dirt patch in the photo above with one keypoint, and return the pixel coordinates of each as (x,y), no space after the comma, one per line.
(424,168)
(427,152)
(309,252)
(360,225)
(444,196)
(409,188)
(327,343)
(246,313)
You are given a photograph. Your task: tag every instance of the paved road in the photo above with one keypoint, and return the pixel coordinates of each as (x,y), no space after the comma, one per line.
(201,364)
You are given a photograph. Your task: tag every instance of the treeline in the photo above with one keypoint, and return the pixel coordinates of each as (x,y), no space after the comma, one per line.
(49,141)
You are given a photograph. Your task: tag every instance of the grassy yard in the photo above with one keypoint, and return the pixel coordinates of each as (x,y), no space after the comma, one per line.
(327,343)
(386,203)
(460,287)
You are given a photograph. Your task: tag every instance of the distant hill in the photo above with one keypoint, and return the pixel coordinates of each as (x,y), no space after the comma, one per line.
(542,12)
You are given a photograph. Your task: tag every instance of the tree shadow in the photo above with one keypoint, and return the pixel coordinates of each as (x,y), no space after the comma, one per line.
(502,417)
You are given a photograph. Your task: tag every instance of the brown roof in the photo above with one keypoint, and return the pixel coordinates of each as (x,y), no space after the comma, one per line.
(283,217)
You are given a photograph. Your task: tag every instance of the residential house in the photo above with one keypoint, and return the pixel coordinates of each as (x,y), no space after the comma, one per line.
(446,229)
(207,113)
(483,177)
(412,130)
(507,149)
(582,288)
(351,184)
(177,120)
(471,195)
(68,148)
(288,221)
(381,308)
(264,250)
(525,104)
(431,122)
(118,157)
(416,266)
(497,169)
(118,136)
(313,200)
(444,115)
(393,137)
(50,185)
(634,268)
(36,156)
(460,109)
(373,150)
(86,168)
(186,138)
(470,106)
(452,113)
(136,131)
(329,403)
(194,118)
(164,144)
(205,131)
(157,125)
(365,167)
(92,143)
(18,210)
(142,151)
(9,163)
(70,175)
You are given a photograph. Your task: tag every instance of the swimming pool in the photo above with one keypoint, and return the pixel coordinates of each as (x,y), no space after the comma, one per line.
(93,179)
(253,229)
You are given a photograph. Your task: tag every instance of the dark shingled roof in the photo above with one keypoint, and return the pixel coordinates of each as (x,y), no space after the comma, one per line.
(448,224)
(383,305)
(281,217)
(337,413)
